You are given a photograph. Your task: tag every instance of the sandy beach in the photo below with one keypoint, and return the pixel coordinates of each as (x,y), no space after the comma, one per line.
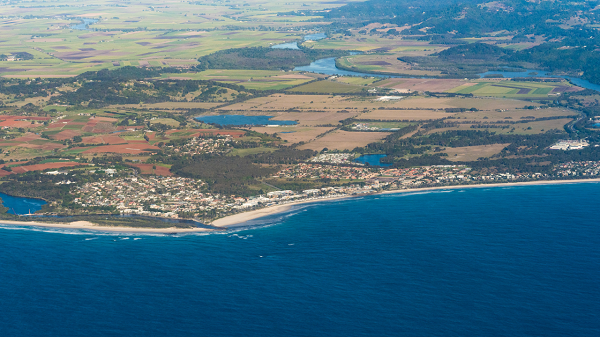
(239,220)
(94,227)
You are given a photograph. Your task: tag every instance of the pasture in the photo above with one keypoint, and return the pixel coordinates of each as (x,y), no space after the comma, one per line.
(329,87)
(147,33)
(294,134)
(471,153)
(344,140)
(382,63)
(514,89)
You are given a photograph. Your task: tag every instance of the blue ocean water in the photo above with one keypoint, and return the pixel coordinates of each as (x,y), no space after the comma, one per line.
(240,120)
(508,261)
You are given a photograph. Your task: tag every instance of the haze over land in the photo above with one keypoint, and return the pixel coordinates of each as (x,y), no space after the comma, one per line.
(109,108)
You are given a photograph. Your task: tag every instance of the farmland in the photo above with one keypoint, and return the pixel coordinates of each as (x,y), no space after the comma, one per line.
(141,34)
(513,89)
(344,140)
(118,86)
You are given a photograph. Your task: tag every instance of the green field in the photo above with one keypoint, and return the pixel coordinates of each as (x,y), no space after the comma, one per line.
(510,89)
(145,33)
(246,152)
(328,87)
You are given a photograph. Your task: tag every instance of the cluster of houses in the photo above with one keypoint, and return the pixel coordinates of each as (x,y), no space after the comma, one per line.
(335,158)
(577,168)
(153,196)
(197,145)
(170,196)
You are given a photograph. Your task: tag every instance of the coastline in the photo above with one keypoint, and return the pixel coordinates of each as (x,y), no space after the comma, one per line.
(116,229)
(239,220)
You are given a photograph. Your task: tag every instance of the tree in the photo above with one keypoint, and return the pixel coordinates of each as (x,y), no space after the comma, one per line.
(77,139)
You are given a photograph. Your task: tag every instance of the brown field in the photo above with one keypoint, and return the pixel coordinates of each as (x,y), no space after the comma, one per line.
(386,63)
(130,148)
(17,124)
(27,138)
(405,115)
(315,118)
(470,153)
(147,169)
(420,84)
(66,134)
(103,140)
(486,103)
(168,105)
(514,114)
(344,140)
(281,102)
(40,167)
(521,128)
(298,134)
(205,132)
(542,126)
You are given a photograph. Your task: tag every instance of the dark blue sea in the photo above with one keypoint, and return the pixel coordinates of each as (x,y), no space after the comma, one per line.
(508,261)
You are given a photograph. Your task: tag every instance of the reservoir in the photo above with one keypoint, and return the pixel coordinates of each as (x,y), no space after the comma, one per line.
(241,120)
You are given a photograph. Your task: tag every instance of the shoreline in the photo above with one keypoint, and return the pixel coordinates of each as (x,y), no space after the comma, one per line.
(113,229)
(239,219)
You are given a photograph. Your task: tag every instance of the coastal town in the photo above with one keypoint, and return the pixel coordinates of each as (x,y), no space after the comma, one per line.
(178,197)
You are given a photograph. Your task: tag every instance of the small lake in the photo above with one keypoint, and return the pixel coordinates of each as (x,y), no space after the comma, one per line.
(83,25)
(541,73)
(372,159)
(315,37)
(19,205)
(241,120)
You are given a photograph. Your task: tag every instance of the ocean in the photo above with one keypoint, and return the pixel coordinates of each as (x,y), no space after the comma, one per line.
(505,261)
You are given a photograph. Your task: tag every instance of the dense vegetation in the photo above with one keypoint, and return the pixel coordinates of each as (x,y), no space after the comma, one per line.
(264,58)
(477,51)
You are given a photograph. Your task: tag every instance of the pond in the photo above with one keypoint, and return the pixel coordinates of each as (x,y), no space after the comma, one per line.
(372,159)
(83,25)
(241,120)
